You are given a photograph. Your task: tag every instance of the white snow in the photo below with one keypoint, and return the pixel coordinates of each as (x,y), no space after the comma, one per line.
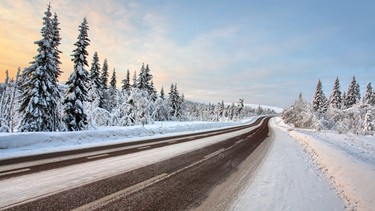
(23,144)
(349,162)
(287,180)
(304,169)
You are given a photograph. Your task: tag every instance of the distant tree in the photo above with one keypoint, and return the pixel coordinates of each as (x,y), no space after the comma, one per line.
(175,102)
(39,90)
(113,80)
(153,92)
(105,75)
(320,100)
(335,99)
(126,82)
(369,97)
(368,125)
(353,95)
(162,93)
(144,80)
(134,85)
(95,82)
(75,117)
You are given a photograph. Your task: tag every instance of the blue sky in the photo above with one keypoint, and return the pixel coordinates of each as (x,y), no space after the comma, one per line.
(263,51)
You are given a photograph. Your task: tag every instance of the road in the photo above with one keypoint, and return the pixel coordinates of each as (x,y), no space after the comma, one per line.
(175,173)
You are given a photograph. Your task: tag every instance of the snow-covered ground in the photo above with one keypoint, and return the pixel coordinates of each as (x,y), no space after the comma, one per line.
(287,180)
(23,144)
(347,160)
(313,170)
(304,169)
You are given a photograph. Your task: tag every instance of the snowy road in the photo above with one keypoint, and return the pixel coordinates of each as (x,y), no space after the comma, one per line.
(177,176)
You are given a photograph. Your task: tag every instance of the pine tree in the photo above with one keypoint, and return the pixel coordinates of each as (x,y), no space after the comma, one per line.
(353,95)
(369,96)
(113,80)
(319,101)
(105,75)
(335,99)
(75,117)
(39,90)
(95,81)
(134,85)
(56,39)
(153,91)
(144,79)
(175,101)
(162,93)
(126,82)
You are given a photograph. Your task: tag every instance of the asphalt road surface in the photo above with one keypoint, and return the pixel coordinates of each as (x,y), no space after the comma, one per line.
(185,181)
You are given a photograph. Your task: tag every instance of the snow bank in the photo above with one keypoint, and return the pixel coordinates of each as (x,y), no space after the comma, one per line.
(287,179)
(347,160)
(22,144)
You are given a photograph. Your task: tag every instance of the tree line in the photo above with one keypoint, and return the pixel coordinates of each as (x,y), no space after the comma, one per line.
(341,111)
(36,101)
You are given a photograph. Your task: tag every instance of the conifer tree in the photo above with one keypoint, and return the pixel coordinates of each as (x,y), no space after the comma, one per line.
(319,101)
(162,93)
(153,92)
(113,80)
(75,117)
(353,95)
(39,89)
(126,82)
(95,81)
(55,43)
(105,75)
(134,85)
(335,99)
(369,96)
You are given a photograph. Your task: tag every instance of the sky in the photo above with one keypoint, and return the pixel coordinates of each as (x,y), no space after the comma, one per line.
(265,52)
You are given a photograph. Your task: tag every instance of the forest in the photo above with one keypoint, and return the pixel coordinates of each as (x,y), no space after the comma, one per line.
(35,100)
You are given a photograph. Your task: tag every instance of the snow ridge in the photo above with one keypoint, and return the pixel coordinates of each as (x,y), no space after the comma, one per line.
(351,173)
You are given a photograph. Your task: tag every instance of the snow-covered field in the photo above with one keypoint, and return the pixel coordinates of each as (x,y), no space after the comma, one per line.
(23,144)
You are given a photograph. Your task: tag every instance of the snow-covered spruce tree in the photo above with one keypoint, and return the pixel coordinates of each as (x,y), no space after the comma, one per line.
(39,89)
(112,91)
(75,117)
(105,75)
(320,100)
(126,82)
(162,95)
(369,97)
(335,99)
(368,125)
(174,102)
(353,95)
(134,85)
(144,80)
(113,80)
(153,93)
(4,127)
(96,89)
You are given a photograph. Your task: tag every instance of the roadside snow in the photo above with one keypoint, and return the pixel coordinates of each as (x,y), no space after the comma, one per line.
(23,144)
(37,185)
(287,180)
(348,160)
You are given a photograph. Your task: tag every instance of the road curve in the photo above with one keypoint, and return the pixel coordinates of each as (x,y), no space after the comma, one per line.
(179,183)
(42,162)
